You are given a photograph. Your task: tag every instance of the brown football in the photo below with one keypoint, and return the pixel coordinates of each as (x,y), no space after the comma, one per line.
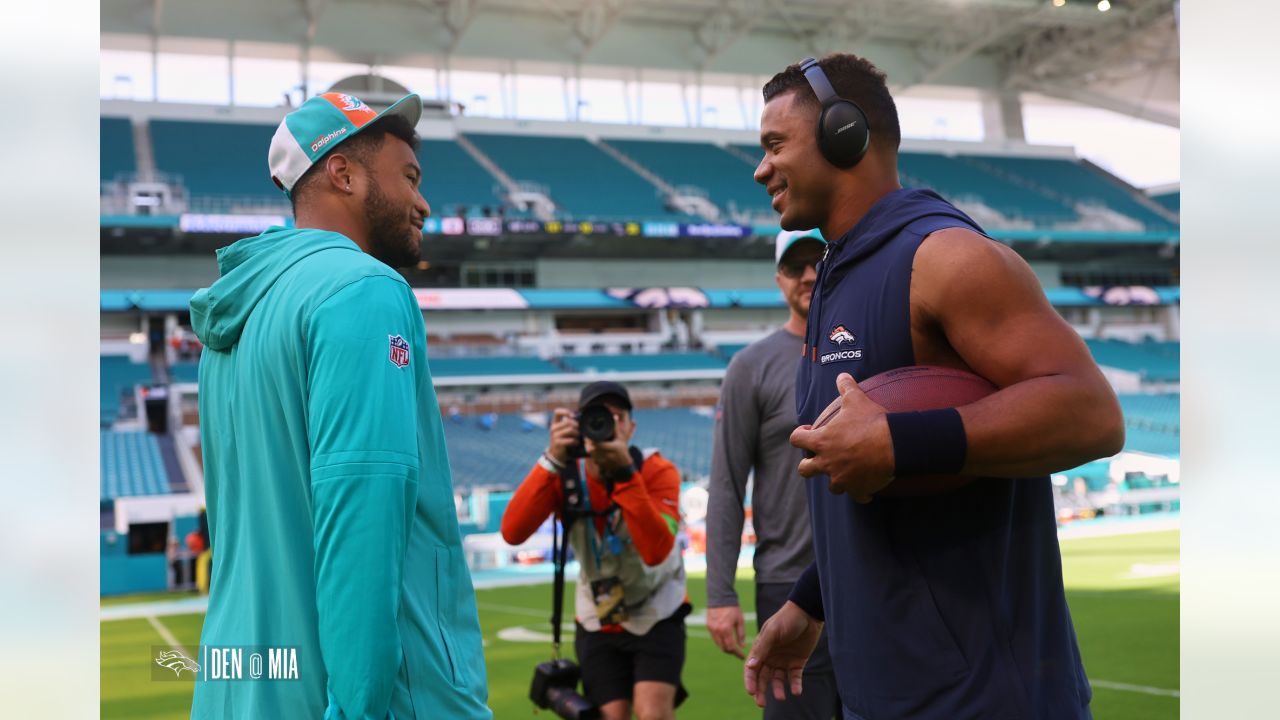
(919,387)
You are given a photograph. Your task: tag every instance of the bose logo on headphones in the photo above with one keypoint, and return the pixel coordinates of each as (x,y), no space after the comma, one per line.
(846,127)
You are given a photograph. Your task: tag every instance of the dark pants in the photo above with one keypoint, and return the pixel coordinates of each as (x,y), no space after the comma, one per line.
(820,700)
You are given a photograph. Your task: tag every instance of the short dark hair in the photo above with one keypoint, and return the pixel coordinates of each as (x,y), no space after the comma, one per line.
(360,148)
(853,78)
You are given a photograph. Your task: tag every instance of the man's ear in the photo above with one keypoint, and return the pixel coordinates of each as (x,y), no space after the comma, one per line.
(777,278)
(338,170)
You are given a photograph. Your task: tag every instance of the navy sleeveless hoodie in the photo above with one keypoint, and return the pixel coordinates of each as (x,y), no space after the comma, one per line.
(945,607)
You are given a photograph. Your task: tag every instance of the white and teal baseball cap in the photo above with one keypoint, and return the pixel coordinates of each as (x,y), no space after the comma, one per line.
(321,123)
(787,238)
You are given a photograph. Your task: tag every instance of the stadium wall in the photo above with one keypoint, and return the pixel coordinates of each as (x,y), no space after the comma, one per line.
(160,272)
(493,322)
(704,273)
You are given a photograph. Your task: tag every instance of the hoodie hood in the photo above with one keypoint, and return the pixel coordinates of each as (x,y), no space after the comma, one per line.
(249,268)
(890,216)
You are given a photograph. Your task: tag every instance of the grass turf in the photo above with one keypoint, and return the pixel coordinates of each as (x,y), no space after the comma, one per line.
(1123,592)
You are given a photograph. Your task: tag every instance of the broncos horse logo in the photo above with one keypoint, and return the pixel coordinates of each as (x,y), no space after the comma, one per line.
(840,336)
(177,662)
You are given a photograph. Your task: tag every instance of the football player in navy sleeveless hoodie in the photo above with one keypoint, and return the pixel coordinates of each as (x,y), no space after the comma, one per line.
(948,606)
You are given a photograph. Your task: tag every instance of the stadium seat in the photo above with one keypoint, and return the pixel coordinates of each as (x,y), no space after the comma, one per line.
(118,376)
(184,372)
(1154,362)
(956,180)
(512,365)
(1171,200)
(682,435)
(131,465)
(451,179)
(117,151)
(642,363)
(726,178)
(216,159)
(498,456)
(1076,182)
(585,182)
(728,350)
(1152,423)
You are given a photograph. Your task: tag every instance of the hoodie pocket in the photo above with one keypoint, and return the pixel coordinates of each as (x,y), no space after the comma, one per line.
(908,651)
(446,600)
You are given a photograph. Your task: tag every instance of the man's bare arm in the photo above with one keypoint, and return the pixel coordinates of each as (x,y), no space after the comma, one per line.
(1054,409)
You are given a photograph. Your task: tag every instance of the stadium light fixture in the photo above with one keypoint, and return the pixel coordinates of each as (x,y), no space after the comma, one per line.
(1059,3)
(1104,5)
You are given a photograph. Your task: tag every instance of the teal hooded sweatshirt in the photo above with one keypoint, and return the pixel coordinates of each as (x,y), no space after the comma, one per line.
(330,503)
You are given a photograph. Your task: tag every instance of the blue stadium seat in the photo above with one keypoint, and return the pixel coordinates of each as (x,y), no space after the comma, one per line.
(954,179)
(585,182)
(131,465)
(498,456)
(499,451)
(451,178)
(754,152)
(1171,200)
(184,372)
(514,365)
(1154,362)
(1079,183)
(642,363)
(117,151)
(118,376)
(728,350)
(216,158)
(726,178)
(1152,423)
(682,435)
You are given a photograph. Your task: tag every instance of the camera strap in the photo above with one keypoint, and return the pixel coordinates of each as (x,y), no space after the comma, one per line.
(571,512)
(558,557)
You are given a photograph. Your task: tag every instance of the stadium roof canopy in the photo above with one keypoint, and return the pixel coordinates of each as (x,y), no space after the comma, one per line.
(1125,59)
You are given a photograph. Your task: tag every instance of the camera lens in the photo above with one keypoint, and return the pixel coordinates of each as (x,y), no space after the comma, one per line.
(596,422)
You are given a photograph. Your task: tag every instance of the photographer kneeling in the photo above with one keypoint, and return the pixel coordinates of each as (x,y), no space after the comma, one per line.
(630,601)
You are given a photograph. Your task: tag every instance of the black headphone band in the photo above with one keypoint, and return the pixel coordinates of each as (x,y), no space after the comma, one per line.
(844,150)
(818,81)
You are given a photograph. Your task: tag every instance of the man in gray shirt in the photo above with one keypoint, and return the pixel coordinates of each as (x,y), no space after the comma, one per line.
(754,421)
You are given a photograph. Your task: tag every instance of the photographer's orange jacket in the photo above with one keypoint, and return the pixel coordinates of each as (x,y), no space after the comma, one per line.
(649,500)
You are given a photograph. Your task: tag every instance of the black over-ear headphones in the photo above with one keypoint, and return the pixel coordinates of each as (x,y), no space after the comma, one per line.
(843,132)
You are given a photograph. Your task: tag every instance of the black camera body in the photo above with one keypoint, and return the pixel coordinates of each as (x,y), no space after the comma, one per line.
(595,421)
(555,688)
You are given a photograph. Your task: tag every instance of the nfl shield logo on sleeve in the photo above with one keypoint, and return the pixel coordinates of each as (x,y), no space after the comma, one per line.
(399,351)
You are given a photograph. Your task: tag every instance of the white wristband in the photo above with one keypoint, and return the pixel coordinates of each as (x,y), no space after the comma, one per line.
(550,465)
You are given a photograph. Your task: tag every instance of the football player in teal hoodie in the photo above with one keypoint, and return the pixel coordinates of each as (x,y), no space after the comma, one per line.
(330,501)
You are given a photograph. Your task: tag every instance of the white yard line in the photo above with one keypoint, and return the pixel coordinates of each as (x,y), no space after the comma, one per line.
(185,606)
(1126,687)
(1072,531)
(168,636)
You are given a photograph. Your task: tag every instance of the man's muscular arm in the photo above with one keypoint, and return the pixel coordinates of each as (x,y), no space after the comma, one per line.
(1054,409)
(976,303)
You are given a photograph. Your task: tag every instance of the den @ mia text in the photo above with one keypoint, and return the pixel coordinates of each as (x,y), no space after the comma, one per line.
(238,663)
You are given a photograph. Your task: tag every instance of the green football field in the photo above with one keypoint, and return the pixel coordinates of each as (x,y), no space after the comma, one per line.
(1123,592)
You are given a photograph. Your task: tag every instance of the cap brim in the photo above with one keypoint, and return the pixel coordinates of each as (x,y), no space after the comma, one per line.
(604,393)
(408,107)
(796,242)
